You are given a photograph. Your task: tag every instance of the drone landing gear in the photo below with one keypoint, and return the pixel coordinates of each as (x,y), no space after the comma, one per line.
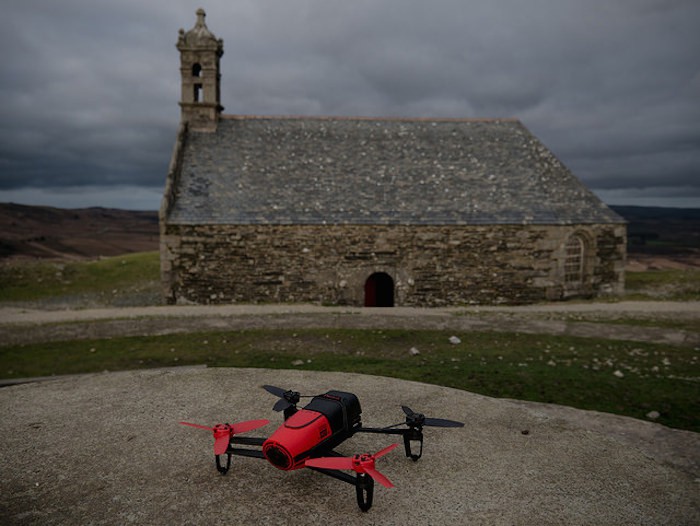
(364,487)
(243,452)
(411,437)
(223,469)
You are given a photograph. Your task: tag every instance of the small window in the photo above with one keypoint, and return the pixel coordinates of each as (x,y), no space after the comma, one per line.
(197,70)
(573,264)
(197,93)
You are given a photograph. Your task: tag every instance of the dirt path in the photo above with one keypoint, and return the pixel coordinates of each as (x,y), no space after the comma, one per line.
(582,319)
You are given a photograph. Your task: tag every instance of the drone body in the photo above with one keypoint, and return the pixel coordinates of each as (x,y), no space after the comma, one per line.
(324,423)
(308,436)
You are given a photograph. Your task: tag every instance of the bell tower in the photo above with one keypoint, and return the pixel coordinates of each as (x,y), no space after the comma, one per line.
(200,100)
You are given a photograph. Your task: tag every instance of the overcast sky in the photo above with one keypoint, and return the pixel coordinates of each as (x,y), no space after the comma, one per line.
(89,88)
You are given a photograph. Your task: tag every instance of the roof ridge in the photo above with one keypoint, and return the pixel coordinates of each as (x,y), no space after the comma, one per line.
(368,118)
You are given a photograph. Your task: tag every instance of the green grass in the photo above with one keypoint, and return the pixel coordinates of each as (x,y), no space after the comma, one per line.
(678,285)
(681,325)
(689,325)
(100,280)
(577,372)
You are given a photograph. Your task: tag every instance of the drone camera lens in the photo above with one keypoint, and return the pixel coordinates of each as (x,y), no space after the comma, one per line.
(278,456)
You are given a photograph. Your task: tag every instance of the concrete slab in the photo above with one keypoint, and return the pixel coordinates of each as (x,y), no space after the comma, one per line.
(107,449)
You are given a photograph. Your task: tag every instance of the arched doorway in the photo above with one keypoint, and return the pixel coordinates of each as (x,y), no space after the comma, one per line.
(379,290)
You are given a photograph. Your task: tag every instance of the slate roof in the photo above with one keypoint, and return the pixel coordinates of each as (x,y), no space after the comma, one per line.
(326,170)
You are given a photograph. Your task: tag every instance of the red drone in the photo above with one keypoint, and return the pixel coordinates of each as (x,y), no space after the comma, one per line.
(308,436)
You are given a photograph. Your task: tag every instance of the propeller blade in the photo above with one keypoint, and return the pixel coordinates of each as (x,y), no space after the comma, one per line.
(330,463)
(242,427)
(223,432)
(379,477)
(221,444)
(441,422)
(281,405)
(384,451)
(277,391)
(358,463)
(419,419)
(287,398)
(222,435)
(197,426)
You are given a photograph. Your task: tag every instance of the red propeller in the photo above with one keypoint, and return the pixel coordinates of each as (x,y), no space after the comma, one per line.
(224,432)
(359,463)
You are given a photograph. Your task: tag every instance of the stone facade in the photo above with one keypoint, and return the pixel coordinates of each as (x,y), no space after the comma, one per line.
(429,265)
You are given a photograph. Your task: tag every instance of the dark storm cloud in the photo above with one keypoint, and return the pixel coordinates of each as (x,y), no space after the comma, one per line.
(80,102)
(90,91)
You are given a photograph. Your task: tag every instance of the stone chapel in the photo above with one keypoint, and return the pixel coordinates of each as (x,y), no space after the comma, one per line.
(366,211)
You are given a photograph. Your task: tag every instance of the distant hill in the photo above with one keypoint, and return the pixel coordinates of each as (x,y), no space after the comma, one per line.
(45,232)
(661,230)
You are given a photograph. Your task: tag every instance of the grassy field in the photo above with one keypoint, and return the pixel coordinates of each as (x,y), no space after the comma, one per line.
(131,279)
(678,285)
(619,377)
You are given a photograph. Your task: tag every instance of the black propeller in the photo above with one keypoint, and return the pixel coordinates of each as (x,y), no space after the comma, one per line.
(287,398)
(414,419)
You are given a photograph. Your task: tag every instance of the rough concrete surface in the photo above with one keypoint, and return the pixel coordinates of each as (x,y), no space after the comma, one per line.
(107,449)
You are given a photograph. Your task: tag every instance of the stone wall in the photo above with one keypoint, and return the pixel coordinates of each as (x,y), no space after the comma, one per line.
(430,265)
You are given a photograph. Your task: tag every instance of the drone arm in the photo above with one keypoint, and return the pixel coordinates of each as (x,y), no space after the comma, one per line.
(247,441)
(223,467)
(335,474)
(411,434)
(380,430)
(243,452)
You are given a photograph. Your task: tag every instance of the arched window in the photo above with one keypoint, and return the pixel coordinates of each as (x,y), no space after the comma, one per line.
(574,261)
(379,290)
(197,70)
